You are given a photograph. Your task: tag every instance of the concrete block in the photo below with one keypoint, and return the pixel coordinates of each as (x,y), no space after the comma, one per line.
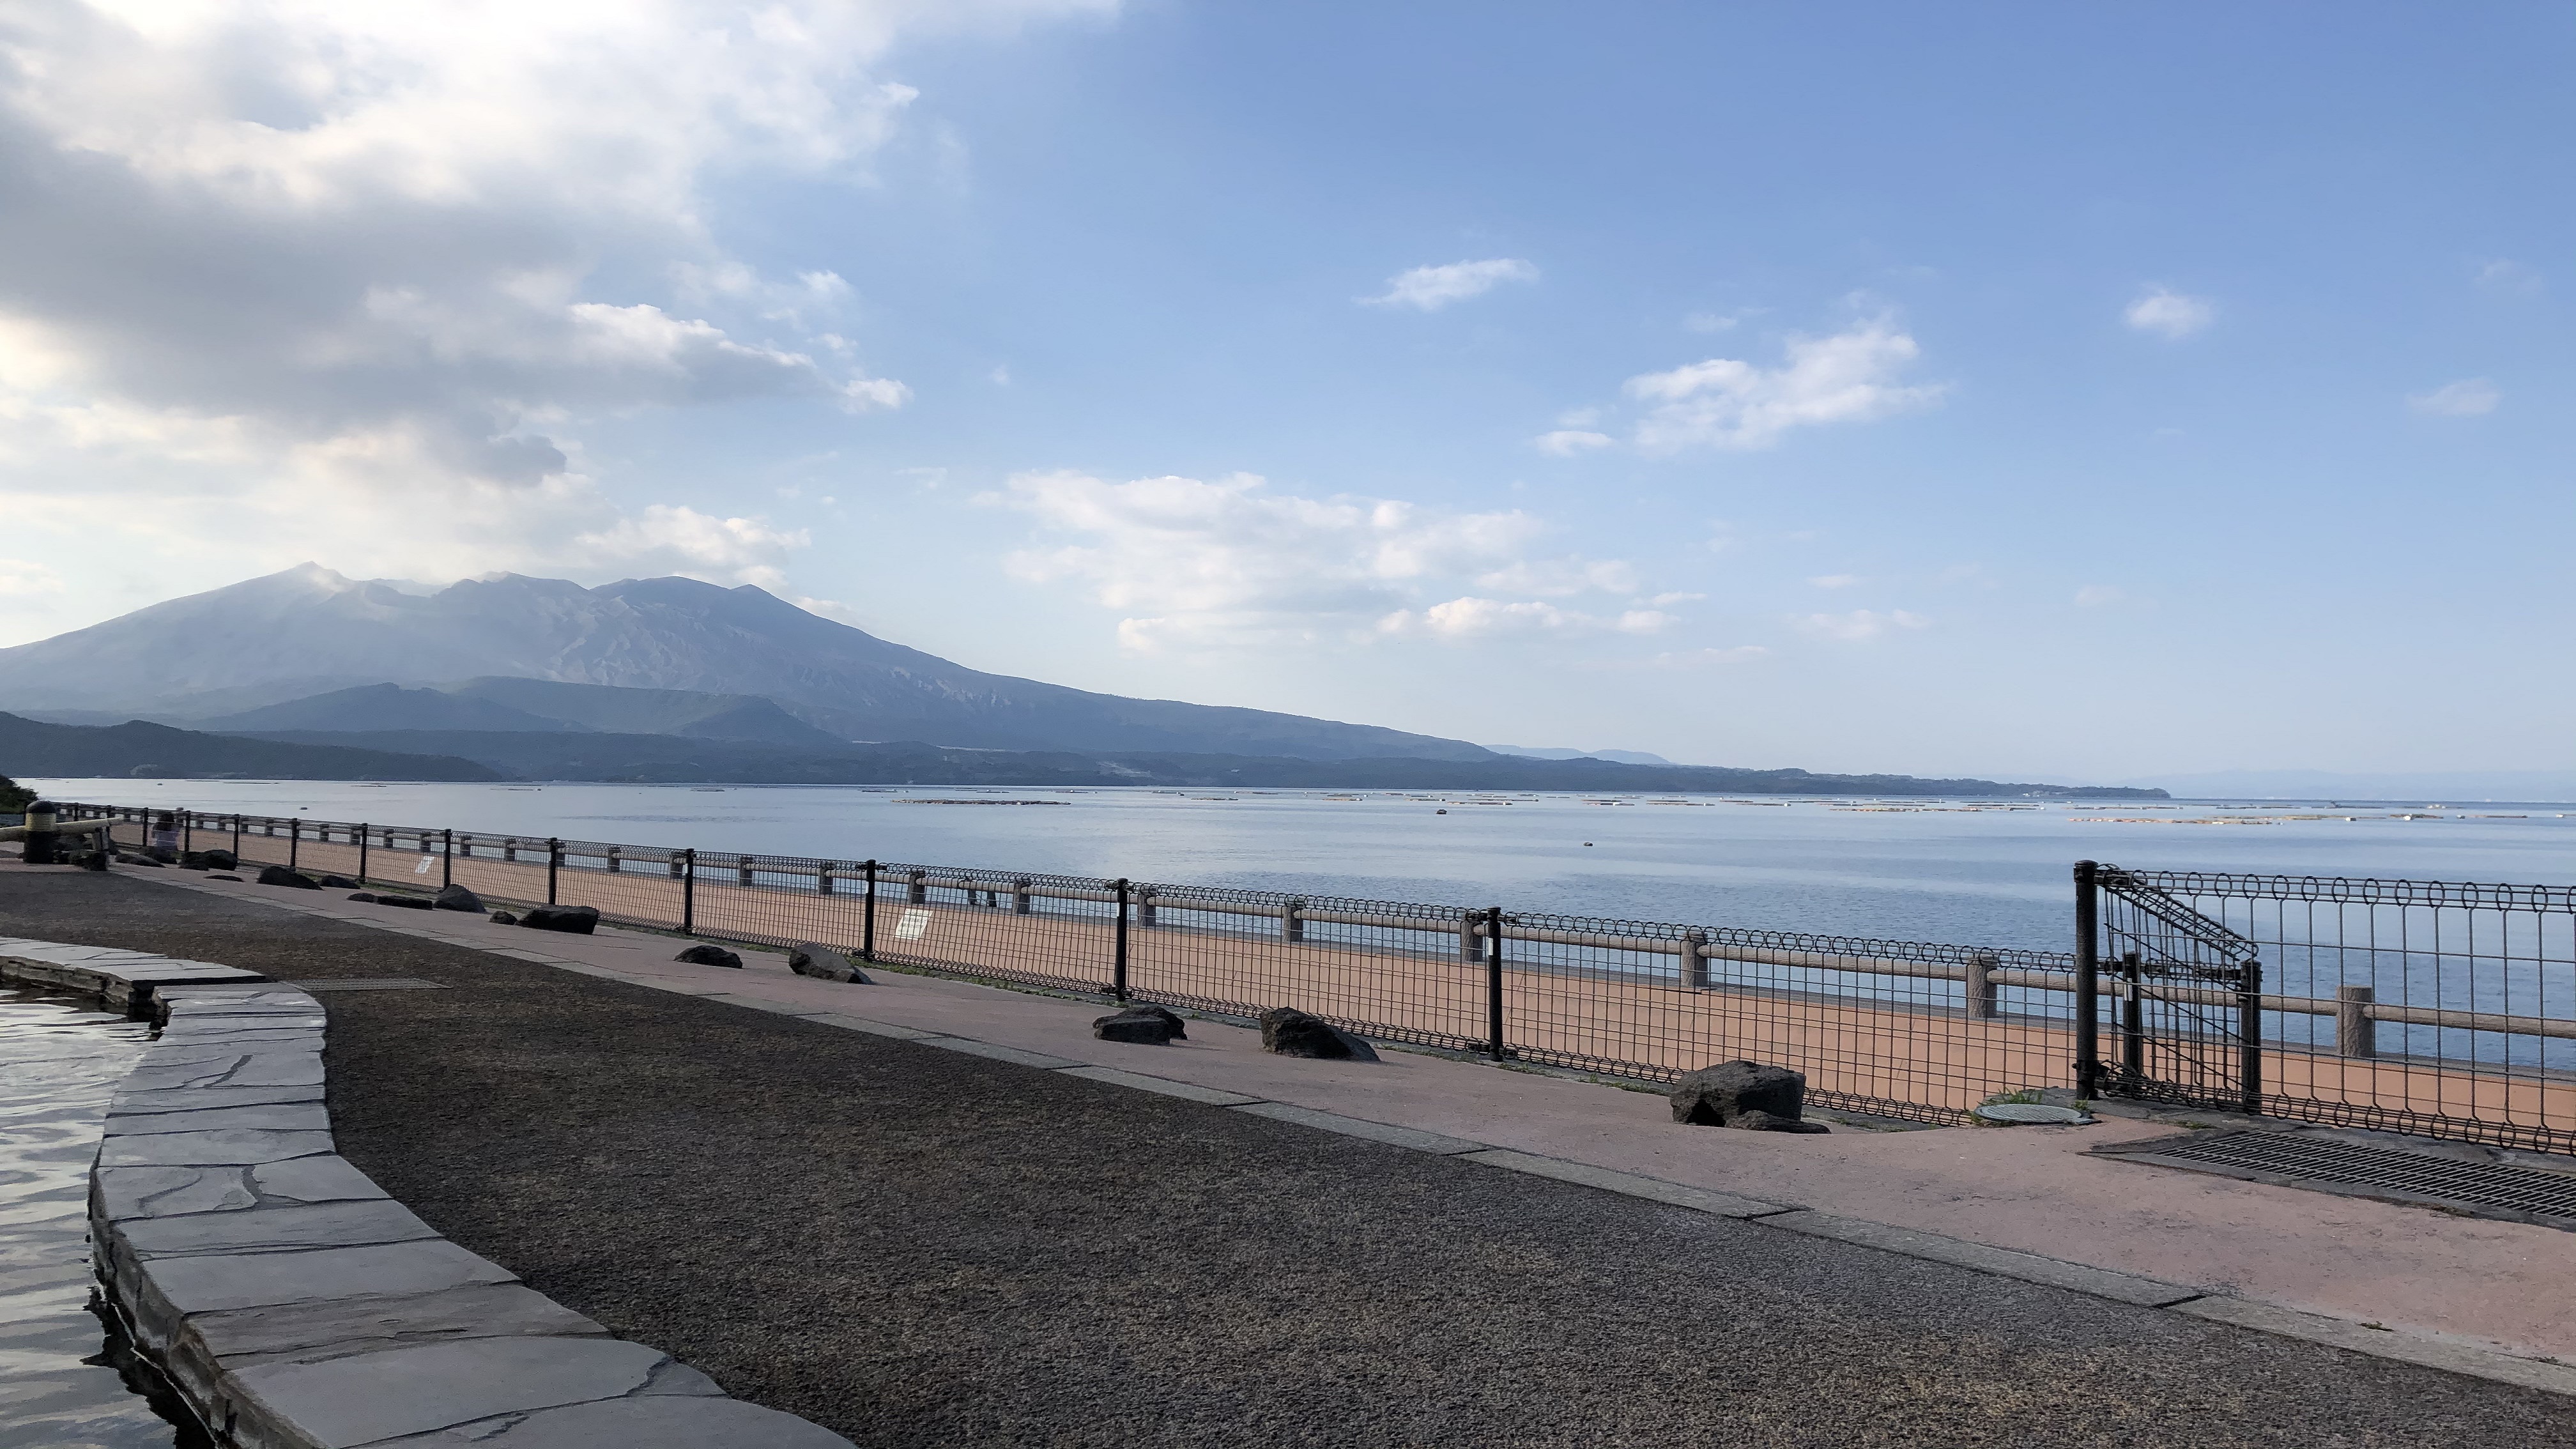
(287,1069)
(341,1327)
(210,1149)
(639,1423)
(306,1225)
(197,1099)
(410,1391)
(2458,1358)
(254,1280)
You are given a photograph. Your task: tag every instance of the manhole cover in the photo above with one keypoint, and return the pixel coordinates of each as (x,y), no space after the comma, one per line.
(2325,1164)
(2028,1112)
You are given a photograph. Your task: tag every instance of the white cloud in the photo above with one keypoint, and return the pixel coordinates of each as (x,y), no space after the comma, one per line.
(1429,289)
(1192,563)
(2170,314)
(1834,581)
(1861,624)
(1712,321)
(2470,397)
(259,258)
(1570,442)
(1461,620)
(25,579)
(1704,658)
(2094,596)
(2502,275)
(1726,403)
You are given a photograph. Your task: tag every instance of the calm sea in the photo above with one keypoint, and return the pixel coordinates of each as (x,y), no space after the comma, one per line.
(1955,870)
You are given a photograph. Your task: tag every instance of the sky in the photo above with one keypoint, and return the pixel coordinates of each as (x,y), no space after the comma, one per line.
(2017,391)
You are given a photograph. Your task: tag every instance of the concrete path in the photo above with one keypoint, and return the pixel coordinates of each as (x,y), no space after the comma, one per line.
(921,1246)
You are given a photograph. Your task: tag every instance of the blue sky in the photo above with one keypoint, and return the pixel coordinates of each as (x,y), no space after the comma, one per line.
(2084,393)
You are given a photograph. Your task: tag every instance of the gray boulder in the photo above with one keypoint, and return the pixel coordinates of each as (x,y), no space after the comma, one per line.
(408,903)
(278,875)
(338,883)
(368,896)
(571,920)
(1716,1096)
(458,898)
(825,963)
(1292,1033)
(504,918)
(710,956)
(220,860)
(1145,1025)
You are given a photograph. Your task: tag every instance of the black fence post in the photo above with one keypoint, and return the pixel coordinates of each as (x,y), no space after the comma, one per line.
(236,835)
(689,892)
(2133,1022)
(294,839)
(1494,982)
(364,831)
(1118,976)
(2249,1034)
(187,832)
(446,859)
(554,865)
(868,915)
(2088,982)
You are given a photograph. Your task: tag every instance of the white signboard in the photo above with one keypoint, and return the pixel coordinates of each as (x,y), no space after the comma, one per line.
(912,925)
(426,862)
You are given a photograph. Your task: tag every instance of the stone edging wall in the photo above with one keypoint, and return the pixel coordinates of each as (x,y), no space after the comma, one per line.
(291,1301)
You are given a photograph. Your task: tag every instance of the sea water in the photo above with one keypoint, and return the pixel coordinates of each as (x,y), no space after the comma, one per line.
(1993,873)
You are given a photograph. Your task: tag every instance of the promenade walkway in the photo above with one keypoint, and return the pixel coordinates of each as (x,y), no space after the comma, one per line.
(921,1246)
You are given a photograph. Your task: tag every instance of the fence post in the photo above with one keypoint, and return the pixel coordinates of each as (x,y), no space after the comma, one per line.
(236,835)
(446,859)
(2249,1032)
(918,891)
(1470,950)
(1985,998)
(688,863)
(1494,982)
(2088,982)
(187,831)
(2356,1035)
(1020,901)
(822,877)
(1694,965)
(868,916)
(554,863)
(2133,1020)
(742,872)
(1292,926)
(1145,907)
(294,838)
(363,832)
(1118,976)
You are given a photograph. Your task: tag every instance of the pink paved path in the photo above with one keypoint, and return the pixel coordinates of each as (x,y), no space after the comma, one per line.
(2492,1284)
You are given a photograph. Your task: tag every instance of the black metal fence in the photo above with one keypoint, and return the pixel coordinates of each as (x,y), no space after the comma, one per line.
(2447,1009)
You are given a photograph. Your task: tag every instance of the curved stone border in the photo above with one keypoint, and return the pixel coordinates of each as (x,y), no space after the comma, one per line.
(291,1301)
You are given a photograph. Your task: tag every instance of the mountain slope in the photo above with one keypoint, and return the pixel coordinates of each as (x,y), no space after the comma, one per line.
(382,707)
(158,751)
(649,711)
(308,630)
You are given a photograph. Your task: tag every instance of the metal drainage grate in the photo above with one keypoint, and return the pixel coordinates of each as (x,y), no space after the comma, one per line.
(366,983)
(2486,1189)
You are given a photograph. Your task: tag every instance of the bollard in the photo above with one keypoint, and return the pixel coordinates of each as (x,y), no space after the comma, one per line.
(44,842)
(1694,965)
(2356,1034)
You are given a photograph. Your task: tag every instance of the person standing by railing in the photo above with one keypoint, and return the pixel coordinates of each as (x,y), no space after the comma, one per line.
(163,844)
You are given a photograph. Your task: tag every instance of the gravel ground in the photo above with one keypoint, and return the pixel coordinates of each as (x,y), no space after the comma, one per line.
(919,1247)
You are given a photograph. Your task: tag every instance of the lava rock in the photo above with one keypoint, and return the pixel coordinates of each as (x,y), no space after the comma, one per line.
(1292,1033)
(409,903)
(278,875)
(339,883)
(220,859)
(1145,1025)
(1715,1096)
(710,956)
(224,877)
(367,896)
(458,898)
(571,920)
(825,963)
(504,918)
(1754,1119)
(97,860)
(138,860)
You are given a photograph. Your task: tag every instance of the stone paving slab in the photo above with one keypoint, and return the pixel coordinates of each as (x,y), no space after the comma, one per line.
(344,1327)
(307,1225)
(237,1148)
(119,1193)
(365,1399)
(266,1117)
(150,1101)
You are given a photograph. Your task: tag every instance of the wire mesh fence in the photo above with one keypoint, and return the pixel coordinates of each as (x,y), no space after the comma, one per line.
(2423,1006)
